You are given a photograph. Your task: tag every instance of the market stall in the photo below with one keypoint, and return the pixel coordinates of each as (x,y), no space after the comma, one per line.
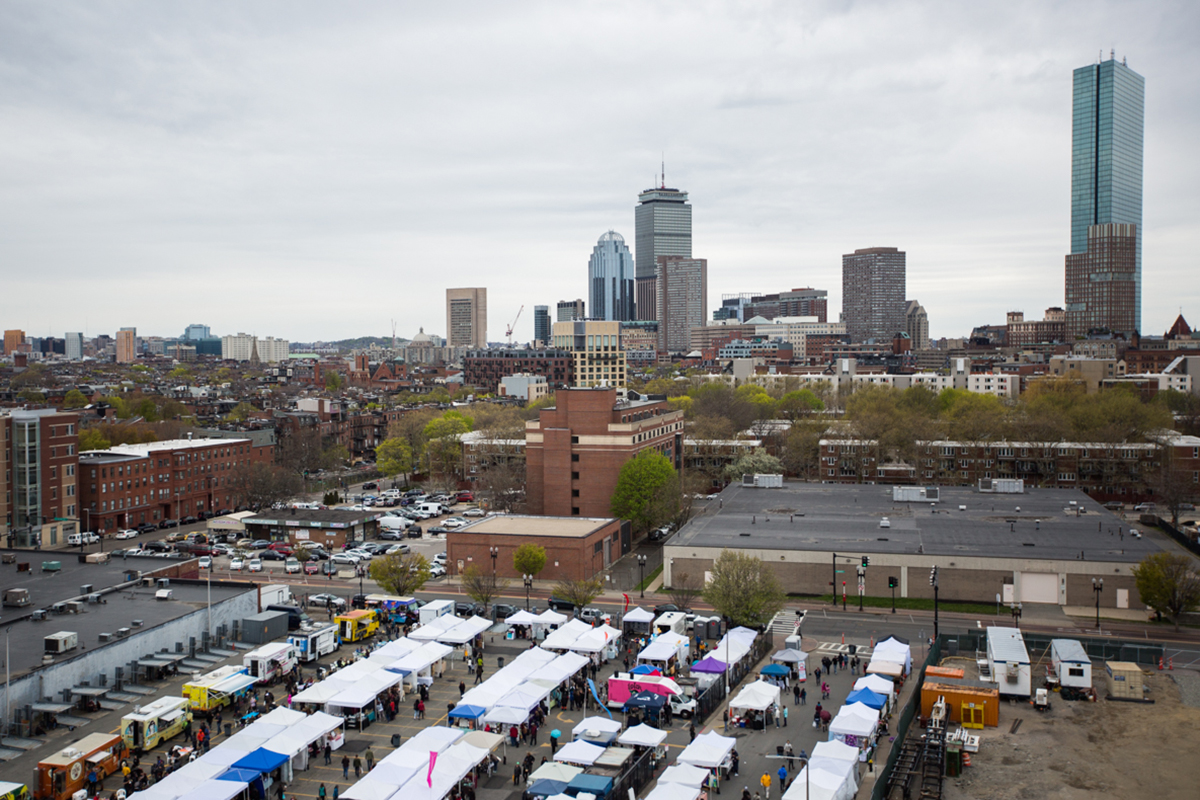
(878,684)
(566,635)
(754,706)
(602,643)
(637,622)
(817,784)
(685,775)
(855,725)
(667,652)
(597,730)
(579,752)
(642,736)
(796,661)
(520,625)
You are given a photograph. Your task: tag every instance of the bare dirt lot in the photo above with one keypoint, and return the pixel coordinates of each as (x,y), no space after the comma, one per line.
(1090,750)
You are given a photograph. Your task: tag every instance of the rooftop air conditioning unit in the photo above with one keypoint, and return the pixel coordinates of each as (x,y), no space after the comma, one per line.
(59,608)
(106,637)
(137,623)
(75,607)
(122,632)
(39,615)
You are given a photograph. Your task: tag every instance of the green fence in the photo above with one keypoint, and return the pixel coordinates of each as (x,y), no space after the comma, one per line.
(1039,643)
(907,713)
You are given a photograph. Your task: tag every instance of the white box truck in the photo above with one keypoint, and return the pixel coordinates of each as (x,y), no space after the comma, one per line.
(313,643)
(434,609)
(270,662)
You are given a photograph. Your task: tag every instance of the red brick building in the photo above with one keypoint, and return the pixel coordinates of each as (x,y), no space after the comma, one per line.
(577,548)
(38,497)
(484,368)
(134,484)
(574,452)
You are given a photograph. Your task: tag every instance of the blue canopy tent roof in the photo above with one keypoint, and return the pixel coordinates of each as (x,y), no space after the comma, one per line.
(867,697)
(544,787)
(710,665)
(646,700)
(261,760)
(598,785)
(468,712)
(645,669)
(240,775)
(775,669)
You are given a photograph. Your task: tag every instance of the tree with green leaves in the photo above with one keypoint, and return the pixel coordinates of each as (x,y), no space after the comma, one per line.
(75,399)
(1168,583)
(241,412)
(580,593)
(333,381)
(760,462)
(799,404)
(444,435)
(400,574)
(529,559)
(744,589)
(31,396)
(92,439)
(482,586)
(642,486)
(393,457)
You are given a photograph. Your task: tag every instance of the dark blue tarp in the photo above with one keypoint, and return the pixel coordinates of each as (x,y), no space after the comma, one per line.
(262,760)
(646,700)
(468,712)
(775,669)
(598,785)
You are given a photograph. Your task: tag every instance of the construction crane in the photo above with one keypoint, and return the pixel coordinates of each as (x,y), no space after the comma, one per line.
(512,324)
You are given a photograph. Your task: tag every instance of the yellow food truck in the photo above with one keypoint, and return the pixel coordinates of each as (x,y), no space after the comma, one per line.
(354,626)
(149,726)
(217,688)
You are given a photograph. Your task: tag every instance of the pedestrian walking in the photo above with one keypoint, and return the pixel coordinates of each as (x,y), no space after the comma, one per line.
(804,697)
(321,792)
(328,753)
(692,731)
(777,716)
(765,781)
(462,689)
(370,757)
(785,716)
(357,766)
(796,693)
(346,767)
(790,753)
(783,773)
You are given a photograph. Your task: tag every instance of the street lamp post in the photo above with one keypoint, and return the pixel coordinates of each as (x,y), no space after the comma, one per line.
(528,579)
(1097,587)
(1016,614)
(641,561)
(495,553)
(933,581)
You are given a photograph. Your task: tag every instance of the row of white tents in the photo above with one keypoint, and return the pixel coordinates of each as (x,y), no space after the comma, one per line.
(426,767)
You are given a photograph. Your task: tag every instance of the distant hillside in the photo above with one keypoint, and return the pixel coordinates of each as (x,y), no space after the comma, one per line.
(362,342)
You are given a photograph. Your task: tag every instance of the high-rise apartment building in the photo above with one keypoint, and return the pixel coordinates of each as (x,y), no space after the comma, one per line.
(1106,188)
(126,345)
(13,340)
(247,347)
(610,279)
(466,317)
(541,324)
(663,227)
(873,288)
(73,347)
(569,310)
(682,297)
(1101,284)
(37,481)
(796,303)
(916,324)
(596,349)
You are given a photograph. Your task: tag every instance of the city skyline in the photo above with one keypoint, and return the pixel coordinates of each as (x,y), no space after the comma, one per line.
(176,176)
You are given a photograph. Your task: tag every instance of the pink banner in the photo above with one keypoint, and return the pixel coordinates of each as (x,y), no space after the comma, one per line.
(432,761)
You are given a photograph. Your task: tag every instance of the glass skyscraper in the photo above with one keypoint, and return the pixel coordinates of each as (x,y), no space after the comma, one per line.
(610,279)
(662,227)
(1106,164)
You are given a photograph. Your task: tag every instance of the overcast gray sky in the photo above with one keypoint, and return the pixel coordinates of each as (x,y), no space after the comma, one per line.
(315,170)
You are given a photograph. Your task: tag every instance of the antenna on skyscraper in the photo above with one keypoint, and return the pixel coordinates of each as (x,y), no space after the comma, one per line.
(663,185)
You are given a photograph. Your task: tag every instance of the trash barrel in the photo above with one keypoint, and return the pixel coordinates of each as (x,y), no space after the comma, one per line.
(395,740)
(500,662)
(228,729)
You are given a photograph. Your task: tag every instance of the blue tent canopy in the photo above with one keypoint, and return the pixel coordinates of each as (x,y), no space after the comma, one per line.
(598,785)
(468,712)
(775,669)
(261,760)
(646,700)
(645,669)
(240,775)
(867,697)
(544,787)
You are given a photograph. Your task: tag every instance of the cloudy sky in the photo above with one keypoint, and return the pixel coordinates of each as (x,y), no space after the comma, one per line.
(314,170)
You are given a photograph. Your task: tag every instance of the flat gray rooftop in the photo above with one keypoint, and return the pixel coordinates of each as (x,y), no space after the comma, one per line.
(121,609)
(46,588)
(833,517)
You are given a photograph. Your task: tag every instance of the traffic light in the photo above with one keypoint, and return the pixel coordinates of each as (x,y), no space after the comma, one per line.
(866,561)
(892,582)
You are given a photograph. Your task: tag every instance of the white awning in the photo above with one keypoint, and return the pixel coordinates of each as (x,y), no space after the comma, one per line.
(601,724)
(642,735)
(565,636)
(639,614)
(579,752)
(465,631)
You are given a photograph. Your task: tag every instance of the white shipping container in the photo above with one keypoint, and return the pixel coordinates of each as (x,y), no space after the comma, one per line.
(1071,663)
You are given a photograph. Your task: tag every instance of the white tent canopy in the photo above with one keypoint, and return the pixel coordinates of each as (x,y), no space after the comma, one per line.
(551,617)
(708,750)
(673,791)
(836,750)
(596,639)
(522,618)
(381,782)
(465,631)
(666,646)
(554,771)
(684,774)
(639,614)
(561,668)
(433,629)
(758,696)
(882,666)
(642,735)
(215,790)
(892,649)
(506,715)
(877,684)
(393,650)
(857,719)
(817,784)
(566,635)
(601,724)
(579,752)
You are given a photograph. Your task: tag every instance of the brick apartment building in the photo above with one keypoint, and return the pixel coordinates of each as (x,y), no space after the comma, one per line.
(574,452)
(1106,472)
(1020,332)
(38,495)
(134,484)
(484,369)
(577,548)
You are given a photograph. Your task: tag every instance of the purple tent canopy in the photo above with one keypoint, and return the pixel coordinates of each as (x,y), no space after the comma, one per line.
(709,664)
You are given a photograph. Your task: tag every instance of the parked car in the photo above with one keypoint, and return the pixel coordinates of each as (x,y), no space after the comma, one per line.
(683,706)
(272,555)
(255,565)
(369,485)
(503,610)
(398,549)
(474,512)
(237,563)
(317,554)
(221,549)
(312,567)
(440,558)
(560,605)
(362,555)
(413,532)
(291,566)
(126,534)
(168,523)
(453,522)
(205,562)
(437,571)
(592,615)
(663,608)
(260,544)
(281,547)
(326,601)
(157,547)
(189,520)
(345,558)
(390,534)
(177,536)
(146,527)
(439,530)
(470,609)
(659,534)
(465,497)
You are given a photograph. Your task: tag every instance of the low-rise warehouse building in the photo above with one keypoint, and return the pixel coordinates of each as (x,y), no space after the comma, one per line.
(1039,546)
(332,528)
(577,548)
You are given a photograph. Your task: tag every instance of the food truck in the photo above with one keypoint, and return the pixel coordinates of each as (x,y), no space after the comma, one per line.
(63,774)
(624,685)
(149,726)
(217,688)
(13,791)
(354,626)
(396,609)
(270,662)
(313,643)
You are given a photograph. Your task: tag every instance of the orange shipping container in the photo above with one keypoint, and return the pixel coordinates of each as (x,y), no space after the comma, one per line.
(943,672)
(957,696)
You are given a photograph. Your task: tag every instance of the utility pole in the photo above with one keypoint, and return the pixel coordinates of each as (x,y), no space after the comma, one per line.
(933,581)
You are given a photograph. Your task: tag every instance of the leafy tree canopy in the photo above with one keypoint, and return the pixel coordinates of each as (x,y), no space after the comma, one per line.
(744,589)
(757,463)
(581,593)
(75,399)
(400,574)
(637,496)
(529,559)
(393,457)
(1168,583)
